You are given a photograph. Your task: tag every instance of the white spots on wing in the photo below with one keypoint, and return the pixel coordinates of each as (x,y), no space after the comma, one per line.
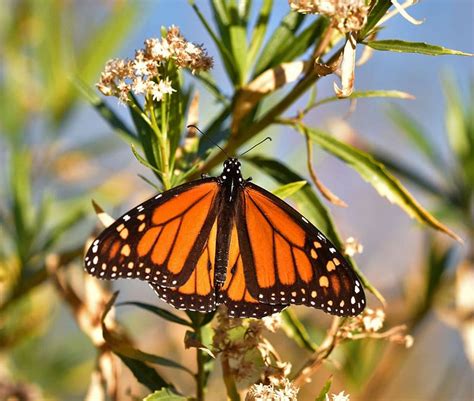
(140,208)
(353,300)
(356,289)
(126,217)
(304,219)
(158,196)
(332,250)
(92,270)
(95,249)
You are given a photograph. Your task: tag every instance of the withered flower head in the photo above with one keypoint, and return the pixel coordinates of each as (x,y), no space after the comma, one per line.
(145,74)
(283,391)
(345,15)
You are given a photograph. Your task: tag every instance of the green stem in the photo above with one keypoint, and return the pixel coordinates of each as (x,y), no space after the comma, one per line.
(162,137)
(200,359)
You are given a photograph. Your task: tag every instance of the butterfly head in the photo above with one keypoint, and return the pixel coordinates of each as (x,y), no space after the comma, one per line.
(231,171)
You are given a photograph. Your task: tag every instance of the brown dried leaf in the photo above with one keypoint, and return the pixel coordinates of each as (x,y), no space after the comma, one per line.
(104,217)
(347,68)
(266,83)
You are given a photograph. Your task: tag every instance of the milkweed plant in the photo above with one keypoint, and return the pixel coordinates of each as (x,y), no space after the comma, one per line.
(269,75)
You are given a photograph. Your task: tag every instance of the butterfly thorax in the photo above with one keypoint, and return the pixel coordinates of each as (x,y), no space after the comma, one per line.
(231,179)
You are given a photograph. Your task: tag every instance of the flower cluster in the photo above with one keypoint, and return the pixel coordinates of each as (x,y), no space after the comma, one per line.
(284,391)
(368,325)
(242,345)
(146,73)
(345,15)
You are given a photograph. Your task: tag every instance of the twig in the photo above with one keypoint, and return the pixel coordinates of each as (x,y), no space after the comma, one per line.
(325,191)
(322,353)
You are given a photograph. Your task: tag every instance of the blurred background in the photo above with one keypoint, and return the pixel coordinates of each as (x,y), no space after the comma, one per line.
(57,154)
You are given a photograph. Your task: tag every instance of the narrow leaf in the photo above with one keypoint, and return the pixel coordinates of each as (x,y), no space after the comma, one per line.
(120,345)
(238,42)
(368,94)
(377,175)
(145,374)
(296,330)
(167,315)
(290,189)
(282,36)
(164,395)
(413,47)
(414,132)
(457,131)
(260,29)
(379,9)
(323,394)
(106,112)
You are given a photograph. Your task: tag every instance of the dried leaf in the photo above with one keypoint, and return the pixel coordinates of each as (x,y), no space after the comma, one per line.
(104,218)
(267,82)
(347,68)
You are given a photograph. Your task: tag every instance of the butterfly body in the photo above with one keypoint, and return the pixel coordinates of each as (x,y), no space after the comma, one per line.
(226,240)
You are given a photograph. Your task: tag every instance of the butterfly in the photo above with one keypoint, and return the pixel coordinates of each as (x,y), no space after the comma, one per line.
(225,240)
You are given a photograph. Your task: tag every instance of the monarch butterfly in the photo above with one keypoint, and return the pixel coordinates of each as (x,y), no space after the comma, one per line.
(225,240)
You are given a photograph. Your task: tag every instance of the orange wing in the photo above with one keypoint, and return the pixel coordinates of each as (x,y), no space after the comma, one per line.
(164,241)
(197,293)
(285,259)
(235,294)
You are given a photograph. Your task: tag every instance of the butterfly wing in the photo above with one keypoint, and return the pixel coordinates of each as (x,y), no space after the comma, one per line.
(162,240)
(235,293)
(287,260)
(197,293)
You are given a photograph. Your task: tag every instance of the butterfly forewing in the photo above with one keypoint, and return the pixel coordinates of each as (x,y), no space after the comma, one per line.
(159,241)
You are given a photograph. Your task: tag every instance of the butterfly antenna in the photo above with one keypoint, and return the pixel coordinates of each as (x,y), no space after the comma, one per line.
(254,146)
(208,138)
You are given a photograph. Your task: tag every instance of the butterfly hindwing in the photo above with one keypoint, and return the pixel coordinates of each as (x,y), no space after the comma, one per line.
(287,260)
(160,240)
(235,294)
(197,293)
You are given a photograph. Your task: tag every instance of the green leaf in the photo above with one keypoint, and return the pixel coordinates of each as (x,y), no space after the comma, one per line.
(145,374)
(296,330)
(282,36)
(414,133)
(164,395)
(119,345)
(379,9)
(367,94)
(167,315)
(111,32)
(413,47)
(238,42)
(290,189)
(377,175)
(220,43)
(457,131)
(106,112)
(259,31)
(322,396)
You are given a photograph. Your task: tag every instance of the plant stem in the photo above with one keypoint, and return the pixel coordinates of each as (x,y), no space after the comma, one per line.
(161,135)
(200,359)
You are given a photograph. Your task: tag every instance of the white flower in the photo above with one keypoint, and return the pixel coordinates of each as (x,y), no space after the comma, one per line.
(339,397)
(373,320)
(139,86)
